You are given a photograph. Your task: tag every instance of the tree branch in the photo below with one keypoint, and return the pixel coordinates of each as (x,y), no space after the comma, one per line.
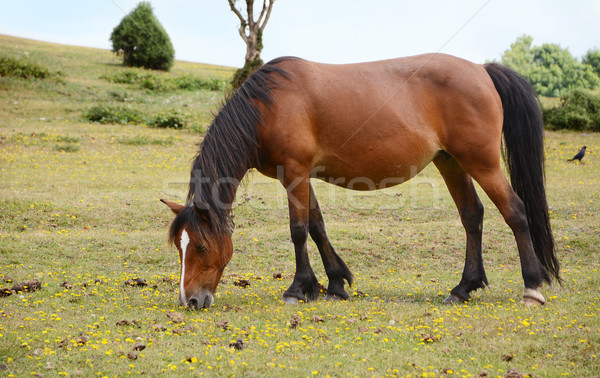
(250,11)
(242,31)
(262,12)
(268,9)
(237,12)
(243,23)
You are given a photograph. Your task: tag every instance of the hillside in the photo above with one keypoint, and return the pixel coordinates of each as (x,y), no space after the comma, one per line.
(83,81)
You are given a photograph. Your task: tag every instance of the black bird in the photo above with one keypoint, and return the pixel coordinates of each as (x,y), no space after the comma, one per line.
(579,155)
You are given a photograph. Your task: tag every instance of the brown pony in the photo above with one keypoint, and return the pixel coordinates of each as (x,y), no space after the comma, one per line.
(369,126)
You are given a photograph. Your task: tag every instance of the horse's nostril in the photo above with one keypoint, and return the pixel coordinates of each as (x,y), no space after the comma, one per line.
(193,303)
(200,301)
(208,301)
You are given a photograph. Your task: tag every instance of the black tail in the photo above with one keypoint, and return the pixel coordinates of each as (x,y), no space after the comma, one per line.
(523,152)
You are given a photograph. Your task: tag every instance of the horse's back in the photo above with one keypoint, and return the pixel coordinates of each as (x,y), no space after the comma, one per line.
(381,120)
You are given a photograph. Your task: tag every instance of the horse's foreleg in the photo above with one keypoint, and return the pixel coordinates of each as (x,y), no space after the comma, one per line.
(460,186)
(335,267)
(305,286)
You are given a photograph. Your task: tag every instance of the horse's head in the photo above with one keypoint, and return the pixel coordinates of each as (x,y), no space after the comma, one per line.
(203,255)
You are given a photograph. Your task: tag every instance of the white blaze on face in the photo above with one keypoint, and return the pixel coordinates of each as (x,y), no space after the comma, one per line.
(183,244)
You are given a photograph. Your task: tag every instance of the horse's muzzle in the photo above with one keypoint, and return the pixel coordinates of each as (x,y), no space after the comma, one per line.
(201,300)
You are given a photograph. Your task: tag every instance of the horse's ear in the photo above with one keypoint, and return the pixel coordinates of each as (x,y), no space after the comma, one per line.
(202,211)
(175,207)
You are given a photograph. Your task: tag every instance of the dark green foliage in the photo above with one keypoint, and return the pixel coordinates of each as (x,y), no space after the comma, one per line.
(69,147)
(124,115)
(142,40)
(142,140)
(22,68)
(243,73)
(551,69)
(170,119)
(592,58)
(111,114)
(120,96)
(579,110)
(125,77)
(67,139)
(153,82)
(191,83)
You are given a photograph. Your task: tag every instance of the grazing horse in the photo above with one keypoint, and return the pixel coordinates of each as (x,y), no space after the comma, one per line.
(369,126)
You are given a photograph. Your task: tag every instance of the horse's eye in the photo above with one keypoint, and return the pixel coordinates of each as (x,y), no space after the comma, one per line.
(200,248)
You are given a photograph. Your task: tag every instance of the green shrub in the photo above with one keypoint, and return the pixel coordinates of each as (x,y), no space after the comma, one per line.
(159,83)
(111,114)
(142,140)
(191,83)
(125,77)
(170,119)
(570,118)
(142,40)
(69,147)
(578,110)
(67,139)
(22,68)
(153,83)
(120,96)
(143,80)
(122,115)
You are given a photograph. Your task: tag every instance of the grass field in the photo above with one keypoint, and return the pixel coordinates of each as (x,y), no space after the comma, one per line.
(79,211)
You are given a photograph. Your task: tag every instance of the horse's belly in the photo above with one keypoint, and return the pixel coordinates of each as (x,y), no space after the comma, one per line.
(365,174)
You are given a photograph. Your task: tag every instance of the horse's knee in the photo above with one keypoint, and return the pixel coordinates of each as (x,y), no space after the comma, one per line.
(472,217)
(299,232)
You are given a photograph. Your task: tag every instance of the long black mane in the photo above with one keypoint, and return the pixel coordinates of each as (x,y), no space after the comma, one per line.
(228,150)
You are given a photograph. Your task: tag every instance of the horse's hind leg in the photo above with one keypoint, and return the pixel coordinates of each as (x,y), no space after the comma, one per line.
(469,206)
(511,207)
(335,267)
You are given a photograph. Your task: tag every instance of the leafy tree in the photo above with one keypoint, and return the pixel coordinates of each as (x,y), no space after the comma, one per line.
(251,32)
(592,58)
(520,57)
(551,69)
(142,40)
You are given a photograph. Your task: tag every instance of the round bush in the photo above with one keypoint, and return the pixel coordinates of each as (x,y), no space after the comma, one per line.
(142,40)
(579,110)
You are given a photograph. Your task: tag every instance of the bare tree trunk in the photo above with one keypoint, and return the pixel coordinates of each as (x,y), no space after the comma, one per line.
(251,31)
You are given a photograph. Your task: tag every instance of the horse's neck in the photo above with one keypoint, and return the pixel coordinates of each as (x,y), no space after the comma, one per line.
(221,190)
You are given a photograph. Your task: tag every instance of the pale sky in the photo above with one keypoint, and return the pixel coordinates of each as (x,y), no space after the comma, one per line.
(332,31)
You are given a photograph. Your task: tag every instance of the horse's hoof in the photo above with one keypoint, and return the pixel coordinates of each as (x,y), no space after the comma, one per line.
(334,297)
(532,297)
(531,302)
(290,300)
(453,299)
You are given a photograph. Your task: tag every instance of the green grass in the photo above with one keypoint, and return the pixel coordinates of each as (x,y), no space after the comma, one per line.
(141,140)
(91,218)
(68,147)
